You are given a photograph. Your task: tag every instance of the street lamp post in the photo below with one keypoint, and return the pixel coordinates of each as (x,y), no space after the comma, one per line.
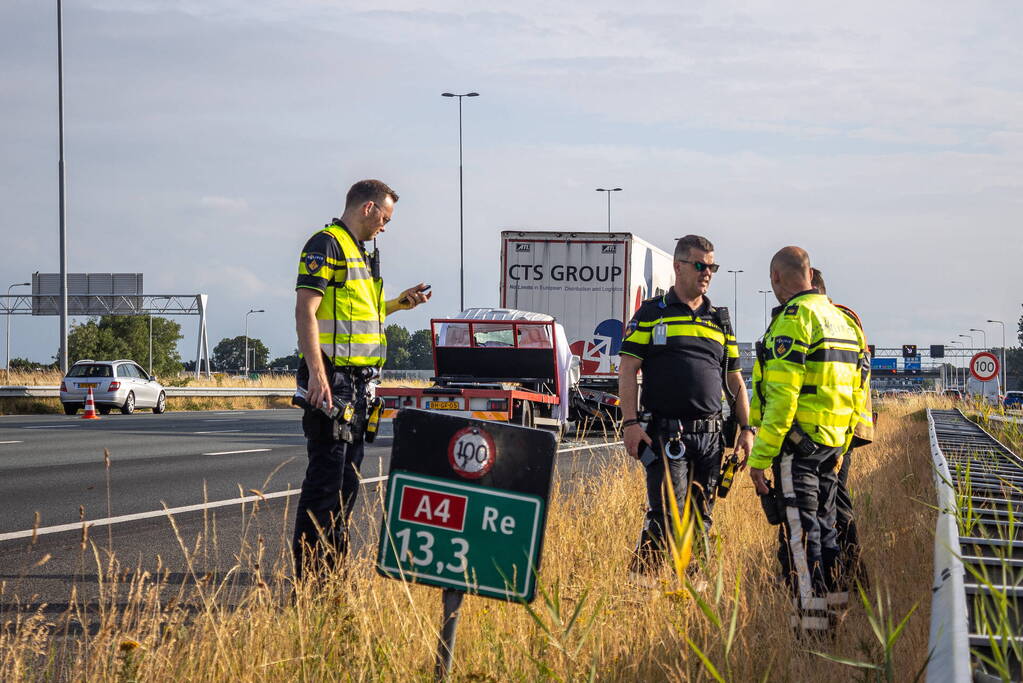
(1005,377)
(60,184)
(765,292)
(246,359)
(461,208)
(955,369)
(7,364)
(983,340)
(609,191)
(735,292)
(970,337)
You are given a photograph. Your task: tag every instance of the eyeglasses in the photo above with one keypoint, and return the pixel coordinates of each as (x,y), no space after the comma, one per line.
(701,266)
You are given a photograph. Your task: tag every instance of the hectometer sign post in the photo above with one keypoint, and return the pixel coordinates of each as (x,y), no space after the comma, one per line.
(466,506)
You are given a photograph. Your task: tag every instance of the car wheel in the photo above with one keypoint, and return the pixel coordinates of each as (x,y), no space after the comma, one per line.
(103,410)
(129,404)
(70,409)
(161,404)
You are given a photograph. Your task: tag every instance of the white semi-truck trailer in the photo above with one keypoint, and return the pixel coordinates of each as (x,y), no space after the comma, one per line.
(591,282)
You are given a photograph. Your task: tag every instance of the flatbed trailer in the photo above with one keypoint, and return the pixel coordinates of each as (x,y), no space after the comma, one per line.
(505,369)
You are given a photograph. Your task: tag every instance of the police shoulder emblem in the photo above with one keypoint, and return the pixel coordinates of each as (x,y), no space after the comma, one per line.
(631,327)
(313,262)
(792,310)
(782,346)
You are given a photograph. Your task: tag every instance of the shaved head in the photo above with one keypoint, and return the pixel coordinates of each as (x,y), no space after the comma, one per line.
(791,261)
(790,272)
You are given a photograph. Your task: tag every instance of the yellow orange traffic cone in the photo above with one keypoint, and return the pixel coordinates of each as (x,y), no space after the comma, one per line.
(90,408)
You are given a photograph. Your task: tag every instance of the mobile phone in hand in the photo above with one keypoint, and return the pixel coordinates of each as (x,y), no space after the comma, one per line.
(422,289)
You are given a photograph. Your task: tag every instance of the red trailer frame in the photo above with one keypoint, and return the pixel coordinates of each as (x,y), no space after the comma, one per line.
(486,355)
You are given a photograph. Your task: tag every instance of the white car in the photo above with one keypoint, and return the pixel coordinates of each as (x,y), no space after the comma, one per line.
(120,384)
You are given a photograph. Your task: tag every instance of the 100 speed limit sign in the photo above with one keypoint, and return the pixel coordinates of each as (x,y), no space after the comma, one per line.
(984,366)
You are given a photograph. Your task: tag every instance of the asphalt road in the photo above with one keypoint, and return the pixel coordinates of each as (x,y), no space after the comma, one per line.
(53,475)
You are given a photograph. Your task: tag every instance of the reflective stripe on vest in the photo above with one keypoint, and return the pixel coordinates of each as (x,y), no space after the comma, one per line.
(351,315)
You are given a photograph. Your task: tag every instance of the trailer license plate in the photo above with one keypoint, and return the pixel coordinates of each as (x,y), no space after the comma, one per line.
(444,405)
(87,385)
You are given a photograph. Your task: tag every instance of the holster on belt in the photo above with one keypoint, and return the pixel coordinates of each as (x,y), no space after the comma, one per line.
(774,506)
(729,431)
(340,416)
(669,434)
(800,441)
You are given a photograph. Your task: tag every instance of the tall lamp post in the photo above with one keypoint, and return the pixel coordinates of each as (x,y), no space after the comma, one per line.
(735,292)
(955,369)
(970,337)
(765,292)
(247,336)
(983,340)
(1005,377)
(7,364)
(609,191)
(461,208)
(60,184)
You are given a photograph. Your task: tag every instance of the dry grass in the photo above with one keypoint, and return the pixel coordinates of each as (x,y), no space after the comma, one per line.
(35,406)
(368,628)
(51,378)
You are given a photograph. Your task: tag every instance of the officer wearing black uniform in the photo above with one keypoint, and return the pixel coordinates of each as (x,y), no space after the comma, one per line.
(339,316)
(686,350)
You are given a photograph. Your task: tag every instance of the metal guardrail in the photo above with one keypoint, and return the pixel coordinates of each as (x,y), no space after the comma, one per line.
(172,392)
(978,553)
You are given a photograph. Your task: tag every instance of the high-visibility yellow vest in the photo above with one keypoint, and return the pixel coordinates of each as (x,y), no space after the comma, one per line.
(351,313)
(863,433)
(809,370)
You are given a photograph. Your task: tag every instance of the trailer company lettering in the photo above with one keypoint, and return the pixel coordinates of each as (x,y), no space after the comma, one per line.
(562,273)
(591,282)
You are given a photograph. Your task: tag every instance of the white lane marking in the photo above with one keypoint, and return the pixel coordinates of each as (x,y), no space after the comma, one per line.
(219,431)
(591,446)
(12,442)
(109,521)
(251,450)
(225,420)
(50,427)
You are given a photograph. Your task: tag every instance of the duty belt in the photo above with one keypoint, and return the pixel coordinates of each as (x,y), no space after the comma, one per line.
(707,425)
(359,373)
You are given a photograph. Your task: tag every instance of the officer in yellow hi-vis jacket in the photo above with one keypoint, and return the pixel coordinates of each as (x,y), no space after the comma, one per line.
(851,568)
(339,316)
(807,397)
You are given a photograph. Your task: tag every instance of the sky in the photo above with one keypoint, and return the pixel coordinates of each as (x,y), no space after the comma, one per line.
(206,140)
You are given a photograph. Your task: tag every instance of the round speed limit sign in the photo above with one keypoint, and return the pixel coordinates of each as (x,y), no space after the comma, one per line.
(984,366)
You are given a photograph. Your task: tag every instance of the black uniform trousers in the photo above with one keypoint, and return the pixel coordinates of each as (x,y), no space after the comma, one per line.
(807,539)
(700,464)
(331,484)
(850,565)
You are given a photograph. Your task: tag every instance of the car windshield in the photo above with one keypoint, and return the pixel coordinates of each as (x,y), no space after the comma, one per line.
(90,371)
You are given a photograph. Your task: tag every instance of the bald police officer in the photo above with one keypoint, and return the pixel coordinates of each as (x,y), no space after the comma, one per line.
(807,398)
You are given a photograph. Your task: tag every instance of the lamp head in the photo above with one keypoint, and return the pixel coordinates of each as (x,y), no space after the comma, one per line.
(447,94)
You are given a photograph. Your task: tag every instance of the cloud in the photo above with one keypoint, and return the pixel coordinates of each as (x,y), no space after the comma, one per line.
(884,137)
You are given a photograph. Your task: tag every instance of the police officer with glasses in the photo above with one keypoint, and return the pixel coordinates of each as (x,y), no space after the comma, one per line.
(339,315)
(686,349)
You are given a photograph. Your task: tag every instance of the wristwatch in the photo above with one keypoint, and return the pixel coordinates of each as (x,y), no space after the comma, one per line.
(749,428)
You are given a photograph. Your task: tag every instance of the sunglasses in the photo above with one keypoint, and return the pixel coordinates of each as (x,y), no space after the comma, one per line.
(701,266)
